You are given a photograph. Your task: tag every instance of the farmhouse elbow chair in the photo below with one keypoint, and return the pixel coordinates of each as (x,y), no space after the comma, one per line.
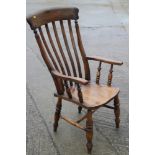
(71,83)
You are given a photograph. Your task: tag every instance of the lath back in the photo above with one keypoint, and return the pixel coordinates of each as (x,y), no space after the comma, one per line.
(61,51)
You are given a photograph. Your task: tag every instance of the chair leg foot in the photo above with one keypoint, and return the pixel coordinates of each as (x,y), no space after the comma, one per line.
(117,111)
(79,109)
(89,147)
(89,132)
(57,114)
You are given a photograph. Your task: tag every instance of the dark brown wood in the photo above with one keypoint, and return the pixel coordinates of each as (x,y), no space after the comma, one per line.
(79,109)
(70,78)
(74,47)
(67,73)
(79,93)
(89,131)
(43,53)
(54,14)
(59,82)
(47,48)
(67,48)
(60,48)
(54,49)
(98,73)
(86,65)
(117,111)
(98,58)
(108,106)
(110,75)
(57,114)
(67,89)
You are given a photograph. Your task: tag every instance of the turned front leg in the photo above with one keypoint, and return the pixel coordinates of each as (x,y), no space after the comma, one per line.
(117,111)
(89,131)
(57,114)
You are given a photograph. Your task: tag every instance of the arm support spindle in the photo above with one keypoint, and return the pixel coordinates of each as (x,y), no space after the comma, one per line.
(98,73)
(110,75)
(79,93)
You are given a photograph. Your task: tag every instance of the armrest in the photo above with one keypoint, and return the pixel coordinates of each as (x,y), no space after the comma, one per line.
(98,58)
(70,78)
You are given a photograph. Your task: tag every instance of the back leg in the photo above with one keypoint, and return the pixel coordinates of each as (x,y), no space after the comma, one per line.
(79,109)
(117,111)
(57,114)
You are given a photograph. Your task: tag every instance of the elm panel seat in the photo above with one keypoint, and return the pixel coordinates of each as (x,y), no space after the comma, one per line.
(94,95)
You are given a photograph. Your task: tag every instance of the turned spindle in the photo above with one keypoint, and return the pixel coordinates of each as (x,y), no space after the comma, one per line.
(79,93)
(110,75)
(98,73)
(67,89)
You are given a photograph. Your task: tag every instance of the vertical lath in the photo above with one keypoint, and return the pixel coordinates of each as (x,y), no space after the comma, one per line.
(54,49)
(67,47)
(47,61)
(74,47)
(43,53)
(60,48)
(86,65)
(58,45)
(58,59)
(62,63)
(47,48)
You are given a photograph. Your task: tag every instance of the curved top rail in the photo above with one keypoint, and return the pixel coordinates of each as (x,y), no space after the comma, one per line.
(55,14)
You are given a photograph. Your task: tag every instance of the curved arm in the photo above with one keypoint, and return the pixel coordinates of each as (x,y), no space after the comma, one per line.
(101,59)
(70,78)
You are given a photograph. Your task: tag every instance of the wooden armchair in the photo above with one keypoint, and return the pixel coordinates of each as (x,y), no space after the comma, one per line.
(71,83)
